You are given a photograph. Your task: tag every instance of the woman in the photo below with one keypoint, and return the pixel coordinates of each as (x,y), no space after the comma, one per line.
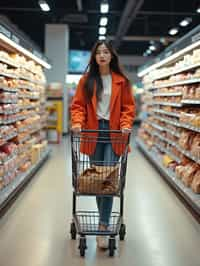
(104,101)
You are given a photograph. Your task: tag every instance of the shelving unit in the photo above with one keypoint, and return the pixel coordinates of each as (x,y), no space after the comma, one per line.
(23,145)
(192,199)
(172,127)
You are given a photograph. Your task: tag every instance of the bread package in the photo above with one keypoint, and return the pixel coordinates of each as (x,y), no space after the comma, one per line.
(188,174)
(196,182)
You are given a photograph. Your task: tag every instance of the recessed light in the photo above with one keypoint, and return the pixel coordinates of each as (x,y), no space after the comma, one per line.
(44,5)
(185,22)
(102,37)
(104,7)
(173,31)
(152,47)
(102,30)
(103,21)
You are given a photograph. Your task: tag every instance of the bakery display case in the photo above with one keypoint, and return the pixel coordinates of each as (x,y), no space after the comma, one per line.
(23,116)
(170,134)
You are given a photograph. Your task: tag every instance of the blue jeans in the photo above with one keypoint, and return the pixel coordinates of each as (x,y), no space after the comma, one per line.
(104,155)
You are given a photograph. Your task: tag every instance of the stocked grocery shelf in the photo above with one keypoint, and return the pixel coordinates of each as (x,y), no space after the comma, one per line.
(9,158)
(166,113)
(191,102)
(192,199)
(177,71)
(186,153)
(156,126)
(32,80)
(178,124)
(182,82)
(8,75)
(166,103)
(165,150)
(3,88)
(8,62)
(7,193)
(167,94)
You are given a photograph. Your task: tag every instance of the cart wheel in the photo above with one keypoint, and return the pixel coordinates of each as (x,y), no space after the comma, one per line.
(73,231)
(122,232)
(82,246)
(112,247)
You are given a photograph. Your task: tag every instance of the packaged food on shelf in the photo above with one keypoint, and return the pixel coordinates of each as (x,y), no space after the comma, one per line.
(24,167)
(189,173)
(196,182)
(195,146)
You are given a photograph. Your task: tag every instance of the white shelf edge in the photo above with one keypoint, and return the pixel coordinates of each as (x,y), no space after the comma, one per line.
(165,112)
(167,94)
(167,104)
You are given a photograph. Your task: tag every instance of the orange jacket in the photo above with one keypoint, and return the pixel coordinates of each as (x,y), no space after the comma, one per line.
(122,110)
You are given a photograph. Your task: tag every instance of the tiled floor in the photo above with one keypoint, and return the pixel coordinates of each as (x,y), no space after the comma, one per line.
(160,230)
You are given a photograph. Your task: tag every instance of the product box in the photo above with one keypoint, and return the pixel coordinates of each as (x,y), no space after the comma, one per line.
(35,153)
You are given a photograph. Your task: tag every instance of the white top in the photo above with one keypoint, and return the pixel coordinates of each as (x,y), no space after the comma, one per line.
(103,106)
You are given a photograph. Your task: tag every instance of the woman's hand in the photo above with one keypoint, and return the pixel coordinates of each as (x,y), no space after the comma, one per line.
(126,130)
(76,128)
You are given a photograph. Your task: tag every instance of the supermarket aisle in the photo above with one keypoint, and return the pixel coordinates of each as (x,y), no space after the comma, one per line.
(161,232)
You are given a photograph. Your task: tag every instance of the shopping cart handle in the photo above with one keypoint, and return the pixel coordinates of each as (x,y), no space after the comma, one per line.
(100,130)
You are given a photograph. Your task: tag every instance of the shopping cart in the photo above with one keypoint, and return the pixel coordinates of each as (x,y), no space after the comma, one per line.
(98,178)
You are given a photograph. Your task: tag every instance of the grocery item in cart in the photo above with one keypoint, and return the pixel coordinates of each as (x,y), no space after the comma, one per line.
(99,180)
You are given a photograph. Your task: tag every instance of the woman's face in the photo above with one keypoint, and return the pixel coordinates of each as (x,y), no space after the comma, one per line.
(103,55)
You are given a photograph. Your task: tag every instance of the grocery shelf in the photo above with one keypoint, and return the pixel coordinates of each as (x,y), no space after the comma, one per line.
(196,129)
(191,102)
(178,124)
(7,193)
(7,89)
(8,62)
(182,82)
(165,150)
(176,71)
(176,134)
(26,87)
(166,103)
(8,101)
(155,125)
(164,139)
(186,153)
(9,158)
(167,94)
(8,75)
(192,199)
(32,80)
(166,113)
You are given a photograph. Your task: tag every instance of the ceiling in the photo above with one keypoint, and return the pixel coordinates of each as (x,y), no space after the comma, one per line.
(151,21)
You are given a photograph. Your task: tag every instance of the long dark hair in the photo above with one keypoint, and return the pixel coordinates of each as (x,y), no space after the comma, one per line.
(93,74)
